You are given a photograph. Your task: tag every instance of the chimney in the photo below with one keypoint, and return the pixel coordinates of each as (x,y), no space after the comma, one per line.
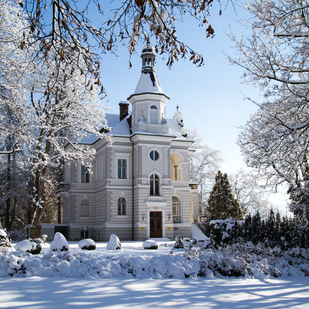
(123,109)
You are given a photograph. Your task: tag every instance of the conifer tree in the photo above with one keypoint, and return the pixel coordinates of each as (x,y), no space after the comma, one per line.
(221,202)
(270,228)
(256,228)
(247,228)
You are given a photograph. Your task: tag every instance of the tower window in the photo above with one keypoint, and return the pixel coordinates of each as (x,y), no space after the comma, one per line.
(154,114)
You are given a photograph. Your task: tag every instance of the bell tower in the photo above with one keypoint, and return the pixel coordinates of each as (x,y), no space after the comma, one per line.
(148,101)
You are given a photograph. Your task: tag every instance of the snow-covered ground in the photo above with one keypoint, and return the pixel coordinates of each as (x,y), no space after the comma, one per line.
(93,279)
(47,293)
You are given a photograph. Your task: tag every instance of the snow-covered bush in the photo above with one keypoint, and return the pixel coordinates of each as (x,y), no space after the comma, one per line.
(59,243)
(150,244)
(28,246)
(114,243)
(16,235)
(236,260)
(220,230)
(87,244)
(5,245)
(178,243)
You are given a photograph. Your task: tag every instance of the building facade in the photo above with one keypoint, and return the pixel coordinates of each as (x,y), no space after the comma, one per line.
(139,188)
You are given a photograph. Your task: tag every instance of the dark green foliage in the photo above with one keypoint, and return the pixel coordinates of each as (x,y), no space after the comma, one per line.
(39,242)
(285,233)
(37,249)
(221,202)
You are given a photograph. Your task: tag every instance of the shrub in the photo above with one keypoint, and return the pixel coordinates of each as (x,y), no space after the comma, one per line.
(59,243)
(114,243)
(28,246)
(87,244)
(150,244)
(4,242)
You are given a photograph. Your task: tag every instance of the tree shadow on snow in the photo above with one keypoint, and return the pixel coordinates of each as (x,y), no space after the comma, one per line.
(35,292)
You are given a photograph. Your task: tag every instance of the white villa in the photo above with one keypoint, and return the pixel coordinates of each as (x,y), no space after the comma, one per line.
(140,186)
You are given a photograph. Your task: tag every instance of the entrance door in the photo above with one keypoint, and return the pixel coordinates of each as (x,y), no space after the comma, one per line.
(155,224)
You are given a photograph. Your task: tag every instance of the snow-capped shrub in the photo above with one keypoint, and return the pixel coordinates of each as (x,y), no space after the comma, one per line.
(16,235)
(5,245)
(178,243)
(150,244)
(220,230)
(87,244)
(28,246)
(114,243)
(59,243)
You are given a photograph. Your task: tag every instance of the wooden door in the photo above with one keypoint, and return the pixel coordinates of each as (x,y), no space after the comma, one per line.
(155,224)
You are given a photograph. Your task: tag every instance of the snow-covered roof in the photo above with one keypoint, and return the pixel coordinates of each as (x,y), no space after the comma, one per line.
(122,128)
(174,128)
(148,82)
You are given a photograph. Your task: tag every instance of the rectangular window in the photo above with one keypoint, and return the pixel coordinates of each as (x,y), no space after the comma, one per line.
(85,175)
(122,169)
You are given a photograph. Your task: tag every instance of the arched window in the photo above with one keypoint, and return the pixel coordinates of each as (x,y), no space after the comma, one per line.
(176,208)
(122,206)
(154,184)
(84,209)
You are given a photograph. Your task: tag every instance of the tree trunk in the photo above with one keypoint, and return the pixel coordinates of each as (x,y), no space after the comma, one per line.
(36,230)
(8,200)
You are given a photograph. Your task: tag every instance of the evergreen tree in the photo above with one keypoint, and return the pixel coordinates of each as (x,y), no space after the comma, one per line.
(256,228)
(284,232)
(221,202)
(270,228)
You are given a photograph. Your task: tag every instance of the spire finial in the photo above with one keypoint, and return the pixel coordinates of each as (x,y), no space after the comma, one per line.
(148,58)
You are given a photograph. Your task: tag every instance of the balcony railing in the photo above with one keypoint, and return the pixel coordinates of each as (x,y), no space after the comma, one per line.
(176,219)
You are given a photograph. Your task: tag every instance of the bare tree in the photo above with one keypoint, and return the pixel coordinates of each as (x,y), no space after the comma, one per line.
(248,188)
(204,164)
(275,57)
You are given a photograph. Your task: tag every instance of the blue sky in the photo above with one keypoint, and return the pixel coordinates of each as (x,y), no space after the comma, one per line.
(211,97)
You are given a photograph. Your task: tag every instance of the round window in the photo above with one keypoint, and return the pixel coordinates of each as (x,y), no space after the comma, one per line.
(154,155)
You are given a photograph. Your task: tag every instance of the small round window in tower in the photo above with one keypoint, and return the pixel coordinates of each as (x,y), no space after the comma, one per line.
(154,155)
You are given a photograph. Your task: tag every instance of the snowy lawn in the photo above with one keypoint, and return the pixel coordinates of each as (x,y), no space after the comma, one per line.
(103,278)
(47,293)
